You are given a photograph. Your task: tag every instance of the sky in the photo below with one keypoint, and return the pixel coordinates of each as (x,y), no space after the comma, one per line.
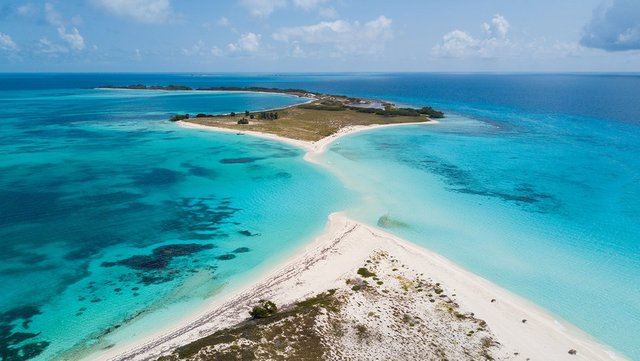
(319,35)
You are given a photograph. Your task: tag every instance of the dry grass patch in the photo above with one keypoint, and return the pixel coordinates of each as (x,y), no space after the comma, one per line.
(305,124)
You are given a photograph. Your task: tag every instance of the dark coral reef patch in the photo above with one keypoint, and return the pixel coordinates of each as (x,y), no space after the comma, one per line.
(160,257)
(16,345)
(239,160)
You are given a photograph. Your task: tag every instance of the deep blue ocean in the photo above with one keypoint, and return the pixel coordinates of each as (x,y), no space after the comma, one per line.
(111,218)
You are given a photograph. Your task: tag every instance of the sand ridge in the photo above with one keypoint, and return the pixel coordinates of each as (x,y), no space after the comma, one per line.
(335,256)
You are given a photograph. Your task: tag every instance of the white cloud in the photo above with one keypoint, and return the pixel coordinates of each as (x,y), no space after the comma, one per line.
(27,10)
(249,42)
(144,11)
(379,27)
(615,27)
(455,44)
(496,43)
(328,13)
(343,36)
(196,49)
(224,22)
(215,51)
(74,39)
(53,17)
(541,48)
(201,50)
(263,8)
(567,49)
(77,20)
(6,43)
(629,37)
(498,28)
(317,33)
(297,52)
(458,43)
(308,4)
(48,47)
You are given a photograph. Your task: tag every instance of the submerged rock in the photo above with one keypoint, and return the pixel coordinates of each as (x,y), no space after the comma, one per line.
(13,345)
(387,222)
(239,160)
(160,257)
(19,313)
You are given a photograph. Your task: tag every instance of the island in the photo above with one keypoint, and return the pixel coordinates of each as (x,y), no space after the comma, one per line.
(323,115)
(356,292)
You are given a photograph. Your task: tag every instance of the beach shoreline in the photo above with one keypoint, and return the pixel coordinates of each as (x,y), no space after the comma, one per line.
(345,245)
(322,264)
(312,149)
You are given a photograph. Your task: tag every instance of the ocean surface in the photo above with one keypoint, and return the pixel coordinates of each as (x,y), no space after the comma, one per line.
(114,220)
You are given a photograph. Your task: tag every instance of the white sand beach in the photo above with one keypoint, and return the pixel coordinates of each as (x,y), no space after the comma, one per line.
(334,257)
(313,148)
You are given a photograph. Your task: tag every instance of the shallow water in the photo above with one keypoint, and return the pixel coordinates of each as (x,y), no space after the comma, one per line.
(532,181)
(548,210)
(110,213)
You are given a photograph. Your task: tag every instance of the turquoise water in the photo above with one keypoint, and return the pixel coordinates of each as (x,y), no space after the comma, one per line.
(546,208)
(532,181)
(114,219)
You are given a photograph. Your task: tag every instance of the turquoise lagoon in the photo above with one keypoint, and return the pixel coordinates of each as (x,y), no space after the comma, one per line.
(532,181)
(550,213)
(116,222)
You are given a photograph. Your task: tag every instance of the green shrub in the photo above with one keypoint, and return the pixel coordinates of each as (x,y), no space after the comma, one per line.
(264,309)
(268,116)
(389,111)
(365,272)
(431,113)
(361,331)
(179,117)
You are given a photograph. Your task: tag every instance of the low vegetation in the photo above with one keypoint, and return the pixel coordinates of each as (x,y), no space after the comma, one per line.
(362,271)
(179,117)
(397,321)
(264,309)
(339,104)
(285,335)
(390,111)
